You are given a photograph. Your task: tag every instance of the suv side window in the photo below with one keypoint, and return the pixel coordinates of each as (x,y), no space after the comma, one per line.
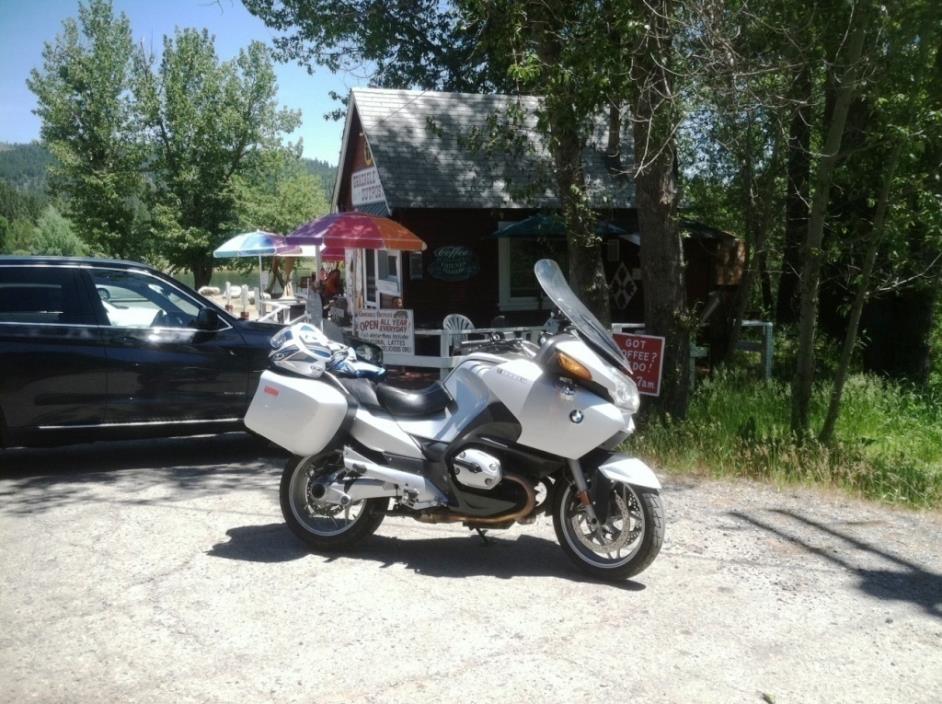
(44,295)
(133,300)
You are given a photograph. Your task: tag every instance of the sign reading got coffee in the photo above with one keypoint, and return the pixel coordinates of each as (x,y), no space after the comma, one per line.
(454,263)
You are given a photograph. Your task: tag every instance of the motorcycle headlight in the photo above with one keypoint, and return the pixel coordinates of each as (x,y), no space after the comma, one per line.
(625,395)
(573,367)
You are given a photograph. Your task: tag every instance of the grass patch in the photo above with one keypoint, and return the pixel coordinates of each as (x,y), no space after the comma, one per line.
(888,441)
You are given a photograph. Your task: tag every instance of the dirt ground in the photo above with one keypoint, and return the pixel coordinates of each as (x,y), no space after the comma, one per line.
(162,572)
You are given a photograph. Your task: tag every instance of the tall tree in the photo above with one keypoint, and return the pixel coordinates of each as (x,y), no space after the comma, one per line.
(88,121)
(651,27)
(846,76)
(207,121)
(740,98)
(54,235)
(903,126)
(796,201)
(278,194)
(801,39)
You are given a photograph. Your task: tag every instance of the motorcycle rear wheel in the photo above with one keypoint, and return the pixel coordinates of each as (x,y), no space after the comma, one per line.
(630,539)
(323,526)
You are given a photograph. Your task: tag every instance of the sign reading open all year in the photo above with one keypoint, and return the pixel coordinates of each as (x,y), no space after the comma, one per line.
(392,329)
(645,355)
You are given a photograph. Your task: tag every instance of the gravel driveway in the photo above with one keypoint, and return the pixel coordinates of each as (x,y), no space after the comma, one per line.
(162,572)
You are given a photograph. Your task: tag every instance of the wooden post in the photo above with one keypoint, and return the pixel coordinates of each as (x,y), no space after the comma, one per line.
(768,351)
(444,350)
(259,306)
(317,274)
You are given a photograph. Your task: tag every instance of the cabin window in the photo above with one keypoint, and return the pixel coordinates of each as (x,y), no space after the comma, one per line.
(388,263)
(519,289)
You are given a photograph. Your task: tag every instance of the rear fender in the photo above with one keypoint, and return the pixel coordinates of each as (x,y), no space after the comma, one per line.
(629,470)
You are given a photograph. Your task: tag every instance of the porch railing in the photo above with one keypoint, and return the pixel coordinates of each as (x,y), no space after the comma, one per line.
(447,339)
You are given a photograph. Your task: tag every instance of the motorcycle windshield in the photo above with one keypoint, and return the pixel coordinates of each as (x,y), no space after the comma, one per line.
(554,285)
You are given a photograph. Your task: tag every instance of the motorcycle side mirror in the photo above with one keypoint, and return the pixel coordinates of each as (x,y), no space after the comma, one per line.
(207,319)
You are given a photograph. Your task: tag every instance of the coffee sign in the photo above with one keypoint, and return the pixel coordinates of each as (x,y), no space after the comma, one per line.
(392,329)
(645,355)
(454,263)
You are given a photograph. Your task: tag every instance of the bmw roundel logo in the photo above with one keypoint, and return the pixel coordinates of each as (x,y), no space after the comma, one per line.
(576,416)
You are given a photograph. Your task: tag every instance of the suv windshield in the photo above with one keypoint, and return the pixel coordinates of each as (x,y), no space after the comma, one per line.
(590,329)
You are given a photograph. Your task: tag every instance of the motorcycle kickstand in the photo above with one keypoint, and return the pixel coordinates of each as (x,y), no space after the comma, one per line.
(482,533)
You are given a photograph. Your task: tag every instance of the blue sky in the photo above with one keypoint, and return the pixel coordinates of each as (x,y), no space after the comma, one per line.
(26,24)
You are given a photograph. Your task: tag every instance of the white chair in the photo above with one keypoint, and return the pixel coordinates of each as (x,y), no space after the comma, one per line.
(456,323)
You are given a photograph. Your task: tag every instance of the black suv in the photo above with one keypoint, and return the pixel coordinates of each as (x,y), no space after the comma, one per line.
(94,349)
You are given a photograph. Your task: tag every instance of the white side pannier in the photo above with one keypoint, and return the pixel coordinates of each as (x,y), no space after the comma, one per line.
(300,415)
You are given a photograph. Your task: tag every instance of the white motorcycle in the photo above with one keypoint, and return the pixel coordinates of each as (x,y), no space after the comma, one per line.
(515,430)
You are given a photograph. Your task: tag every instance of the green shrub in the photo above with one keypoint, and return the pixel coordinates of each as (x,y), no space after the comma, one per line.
(888,441)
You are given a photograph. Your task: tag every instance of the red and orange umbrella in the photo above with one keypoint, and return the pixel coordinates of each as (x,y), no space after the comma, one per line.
(356,231)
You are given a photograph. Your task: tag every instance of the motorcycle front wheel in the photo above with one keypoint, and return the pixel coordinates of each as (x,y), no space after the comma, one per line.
(624,544)
(321,525)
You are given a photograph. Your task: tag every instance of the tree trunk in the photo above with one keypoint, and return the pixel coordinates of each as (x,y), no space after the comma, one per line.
(765,278)
(202,274)
(757,213)
(586,268)
(741,300)
(860,298)
(613,148)
(811,251)
(662,254)
(584,246)
(796,199)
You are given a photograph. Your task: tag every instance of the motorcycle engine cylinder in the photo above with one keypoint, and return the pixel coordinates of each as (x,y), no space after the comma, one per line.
(477,469)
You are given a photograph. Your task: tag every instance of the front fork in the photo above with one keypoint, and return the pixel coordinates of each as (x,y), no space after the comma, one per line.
(582,493)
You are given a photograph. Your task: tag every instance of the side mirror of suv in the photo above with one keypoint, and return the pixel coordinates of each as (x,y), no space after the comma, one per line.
(207,319)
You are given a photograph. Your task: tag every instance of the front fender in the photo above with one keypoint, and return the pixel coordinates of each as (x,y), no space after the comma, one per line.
(629,470)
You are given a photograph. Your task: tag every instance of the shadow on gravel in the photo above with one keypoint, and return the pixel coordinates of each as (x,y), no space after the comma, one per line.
(269,543)
(39,480)
(911,582)
(448,557)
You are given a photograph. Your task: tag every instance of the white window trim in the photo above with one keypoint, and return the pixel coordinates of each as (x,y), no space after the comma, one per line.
(508,302)
(388,287)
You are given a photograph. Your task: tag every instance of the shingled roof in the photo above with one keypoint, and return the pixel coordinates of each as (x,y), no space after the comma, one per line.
(420,145)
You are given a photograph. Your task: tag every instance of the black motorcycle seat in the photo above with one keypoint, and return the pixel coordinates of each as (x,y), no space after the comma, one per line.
(413,402)
(363,390)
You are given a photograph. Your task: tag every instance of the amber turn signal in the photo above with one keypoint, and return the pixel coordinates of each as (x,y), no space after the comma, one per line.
(572,367)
